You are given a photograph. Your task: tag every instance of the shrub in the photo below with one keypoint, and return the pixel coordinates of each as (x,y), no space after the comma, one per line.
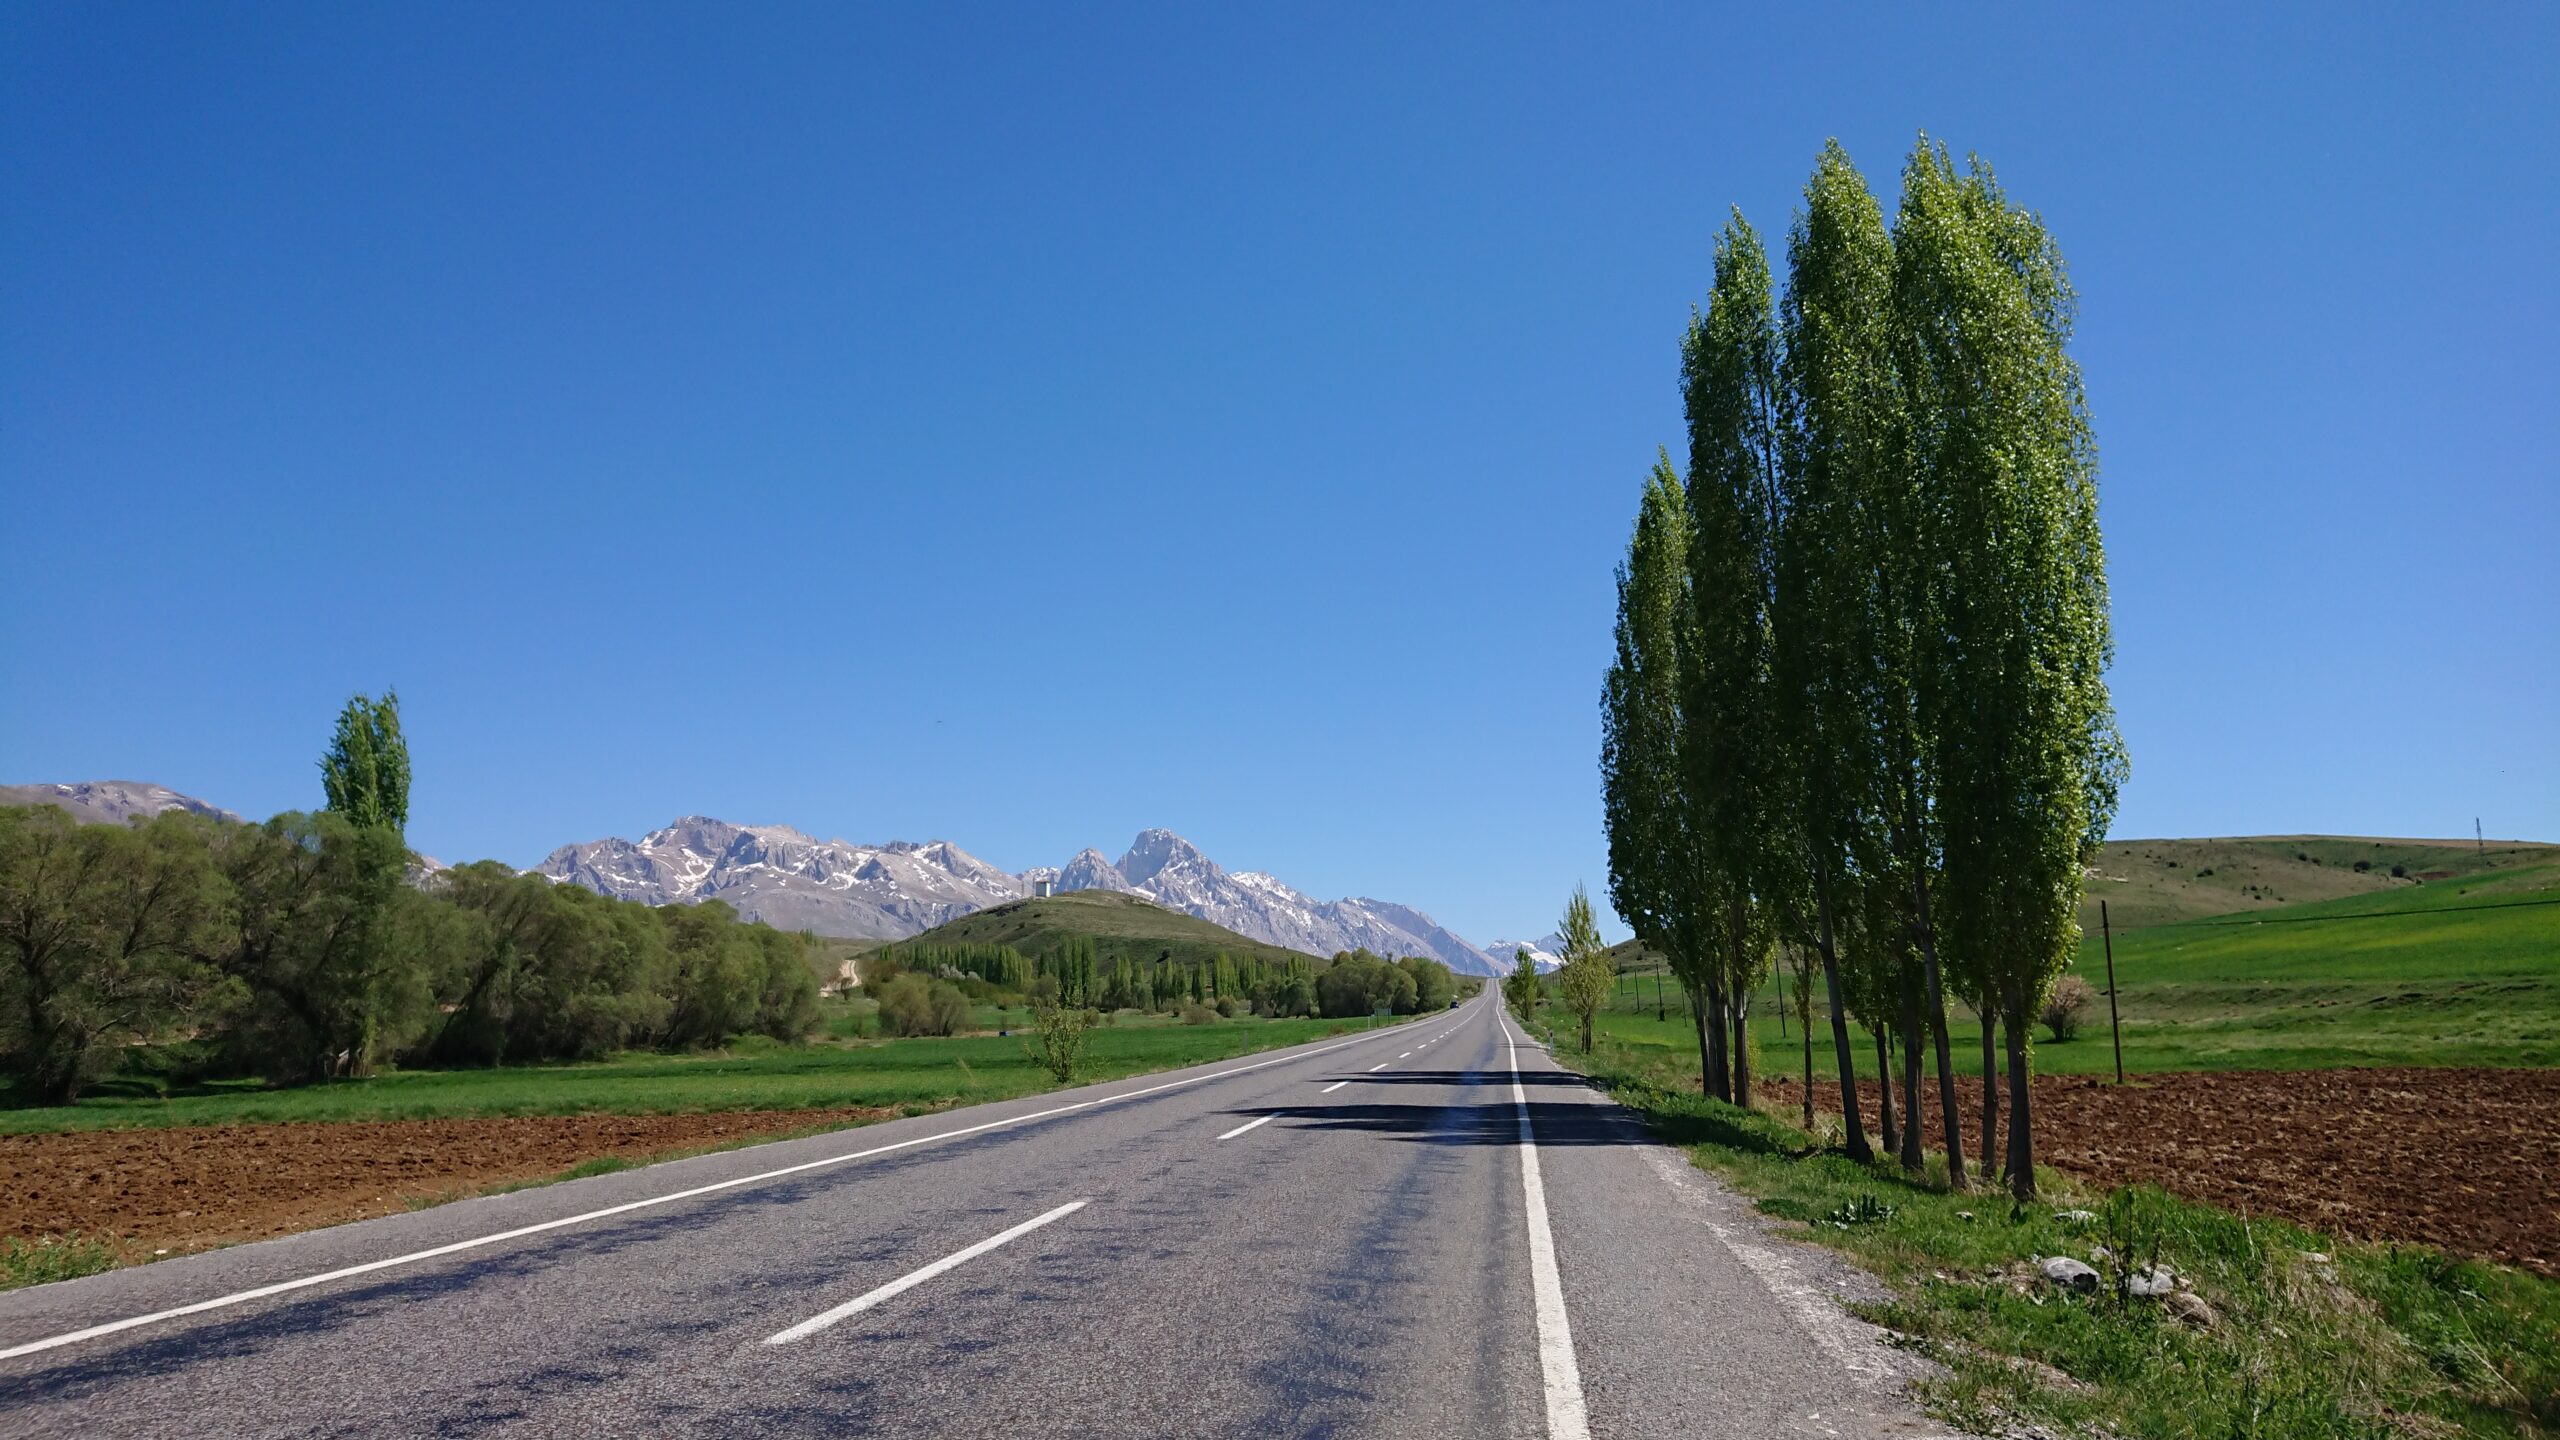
(1061,1033)
(2363,865)
(1196,1013)
(2067,1006)
(2399,872)
(1228,1009)
(913,1005)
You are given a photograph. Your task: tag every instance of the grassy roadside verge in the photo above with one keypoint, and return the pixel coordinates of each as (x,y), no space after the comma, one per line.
(2299,1335)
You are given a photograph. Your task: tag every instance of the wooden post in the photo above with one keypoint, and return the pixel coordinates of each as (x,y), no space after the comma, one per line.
(2115,1026)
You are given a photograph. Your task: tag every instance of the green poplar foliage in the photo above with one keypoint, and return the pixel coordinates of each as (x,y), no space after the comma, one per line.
(1873,660)
(366,770)
(2013,693)
(1655,875)
(1731,385)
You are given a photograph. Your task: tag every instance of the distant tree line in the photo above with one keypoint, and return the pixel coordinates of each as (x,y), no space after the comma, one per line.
(1074,975)
(308,948)
(1857,705)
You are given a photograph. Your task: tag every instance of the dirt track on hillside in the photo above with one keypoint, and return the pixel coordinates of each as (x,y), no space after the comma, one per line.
(189,1188)
(2461,1159)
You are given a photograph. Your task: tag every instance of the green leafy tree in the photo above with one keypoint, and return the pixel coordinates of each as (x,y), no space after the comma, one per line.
(99,930)
(1730,374)
(1842,433)
(1656,875)
(1520,987)
(2013,697)
(1435,986)
(1585,977)
(366,770)
(324,937)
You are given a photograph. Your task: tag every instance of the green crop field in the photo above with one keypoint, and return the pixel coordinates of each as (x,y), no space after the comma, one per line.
(917,1074)
(2457,971)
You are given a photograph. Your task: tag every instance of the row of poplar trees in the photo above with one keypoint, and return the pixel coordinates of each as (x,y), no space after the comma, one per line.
(1858,700)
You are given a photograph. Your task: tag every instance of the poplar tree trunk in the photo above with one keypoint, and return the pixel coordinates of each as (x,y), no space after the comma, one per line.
(1911,1143)
(1950,1113)
(1719,1071)
(1839,1024)
(1807,1028)
(1990,1088)
(1738,1014)
(2022,1145)
(1884,1092)
(1706,1051)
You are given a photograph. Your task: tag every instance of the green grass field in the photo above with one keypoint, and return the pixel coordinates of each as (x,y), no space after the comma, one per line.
(915,1074)
(2460,971)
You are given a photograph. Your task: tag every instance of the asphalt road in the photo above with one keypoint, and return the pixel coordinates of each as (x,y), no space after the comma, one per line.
(1346,1238)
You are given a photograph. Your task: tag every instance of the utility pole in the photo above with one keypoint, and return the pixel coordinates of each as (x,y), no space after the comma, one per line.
(2115,1026)
(2479,839)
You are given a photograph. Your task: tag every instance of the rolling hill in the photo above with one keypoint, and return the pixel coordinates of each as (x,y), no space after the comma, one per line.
(1117,922)
(2164,882)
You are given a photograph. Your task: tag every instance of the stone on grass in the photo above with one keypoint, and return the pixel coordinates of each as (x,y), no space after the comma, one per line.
(2190,1307)
(2151,1283)
(2065,1273)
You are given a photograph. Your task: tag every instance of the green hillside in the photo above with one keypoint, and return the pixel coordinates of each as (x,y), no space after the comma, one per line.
(2159,882)
(1117,925)
(2463,969)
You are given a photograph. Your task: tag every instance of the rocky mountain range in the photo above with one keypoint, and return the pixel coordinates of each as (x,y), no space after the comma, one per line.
(795,881)
(110,802)
(1546,954)
(834,887)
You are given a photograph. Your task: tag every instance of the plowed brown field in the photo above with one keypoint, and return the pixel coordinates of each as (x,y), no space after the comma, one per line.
(2465,1160)
(187,1188)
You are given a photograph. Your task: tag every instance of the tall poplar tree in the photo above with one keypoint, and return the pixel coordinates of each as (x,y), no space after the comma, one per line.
(1654,864)
(1843,421)
(1731,384)
(365,772)
(2012,691)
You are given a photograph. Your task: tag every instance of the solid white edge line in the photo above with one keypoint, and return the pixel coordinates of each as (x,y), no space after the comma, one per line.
(1336,1085)
(282,1287)
(1567,1416)
(1250,1124)
(912,1279)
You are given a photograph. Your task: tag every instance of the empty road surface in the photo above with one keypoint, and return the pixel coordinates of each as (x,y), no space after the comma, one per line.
(1428,1230)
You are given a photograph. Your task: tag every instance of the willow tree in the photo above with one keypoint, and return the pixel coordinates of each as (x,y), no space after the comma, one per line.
(1654,873)
(2012,693)
(1728,730)
(1843,421)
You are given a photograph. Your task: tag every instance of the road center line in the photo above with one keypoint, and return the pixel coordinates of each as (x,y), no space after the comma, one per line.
(911,1280)
(1381,1065)
(1250,1124)
(1567,1417)
(457,1247)
(1336,1085)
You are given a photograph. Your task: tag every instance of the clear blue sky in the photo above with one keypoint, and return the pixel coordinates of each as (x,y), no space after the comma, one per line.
(1021,426)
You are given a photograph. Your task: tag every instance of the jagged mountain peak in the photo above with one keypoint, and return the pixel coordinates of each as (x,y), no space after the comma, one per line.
(777,874)
(1157,851)
(111,802)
